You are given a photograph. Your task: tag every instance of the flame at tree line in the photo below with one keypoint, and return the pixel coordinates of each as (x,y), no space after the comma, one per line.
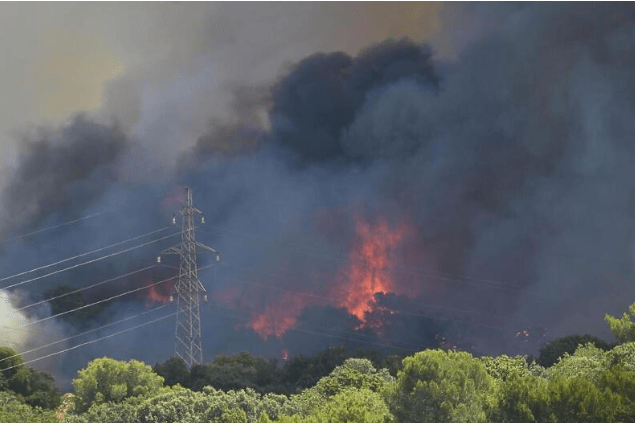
(158,294)
(280,315)
(367,272)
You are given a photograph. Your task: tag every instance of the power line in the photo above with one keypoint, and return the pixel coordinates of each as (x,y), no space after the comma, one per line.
(84,333)
(352,336)
(105,300)
(398,311)
(86,287)
(327,298)
(390,343)
(83,254)
(444,277)
(441,276)
(50,228)
(5,327)
(90,261)
(92,341)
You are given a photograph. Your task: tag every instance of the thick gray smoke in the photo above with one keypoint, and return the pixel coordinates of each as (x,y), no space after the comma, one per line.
(510,167)
(61,172)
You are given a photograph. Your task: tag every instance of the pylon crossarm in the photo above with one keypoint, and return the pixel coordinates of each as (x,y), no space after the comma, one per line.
(201,288)
(191,209)
(205,247)
(176,249)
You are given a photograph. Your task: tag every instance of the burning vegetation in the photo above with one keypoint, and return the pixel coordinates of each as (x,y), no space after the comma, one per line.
(366,273)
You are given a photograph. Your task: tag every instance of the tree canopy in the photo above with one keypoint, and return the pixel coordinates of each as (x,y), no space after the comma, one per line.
(588,384)
(623,328)
(437,386)
(107,380)
(552,351)
(35,388)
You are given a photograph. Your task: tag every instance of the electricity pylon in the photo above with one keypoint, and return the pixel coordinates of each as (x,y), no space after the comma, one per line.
(189,289)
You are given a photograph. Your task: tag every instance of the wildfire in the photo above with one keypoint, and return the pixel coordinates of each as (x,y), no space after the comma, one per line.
(279,316)
(354,287)
(155,296)
(369,269)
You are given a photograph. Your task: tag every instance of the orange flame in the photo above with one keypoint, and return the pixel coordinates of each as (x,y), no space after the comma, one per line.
(155,296)
(279,316)
(354,288)
(369,270)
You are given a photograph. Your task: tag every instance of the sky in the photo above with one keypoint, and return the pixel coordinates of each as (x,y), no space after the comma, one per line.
(468,163)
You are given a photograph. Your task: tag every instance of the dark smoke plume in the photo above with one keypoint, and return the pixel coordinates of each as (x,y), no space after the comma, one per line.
(321,95)
(511,168)
(62,172)
(318,98)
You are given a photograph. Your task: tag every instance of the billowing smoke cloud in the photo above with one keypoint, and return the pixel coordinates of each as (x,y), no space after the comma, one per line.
(509,168)
(61,171)
(22,330)
(321,96)
(504,169)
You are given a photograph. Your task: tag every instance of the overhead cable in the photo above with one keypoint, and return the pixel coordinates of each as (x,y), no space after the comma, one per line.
(83,254)
(90,261)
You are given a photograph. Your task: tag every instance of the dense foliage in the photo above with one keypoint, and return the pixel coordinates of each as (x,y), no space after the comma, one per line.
(552,351)
(589,383)
(623,328)
(110,381)
(31,386)
(247,371)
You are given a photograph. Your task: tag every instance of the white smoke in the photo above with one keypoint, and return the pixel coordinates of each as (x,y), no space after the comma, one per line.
(12,322)
(26,334)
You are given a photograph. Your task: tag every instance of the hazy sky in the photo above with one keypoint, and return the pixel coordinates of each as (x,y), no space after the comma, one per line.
(117,58)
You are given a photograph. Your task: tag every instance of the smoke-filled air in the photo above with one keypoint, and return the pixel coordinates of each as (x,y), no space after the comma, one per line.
(398,176)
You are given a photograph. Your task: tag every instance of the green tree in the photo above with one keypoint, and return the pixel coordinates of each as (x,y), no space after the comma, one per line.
(552,351)
(356,373)
(624,328)
(123,412)
(10,362)
(185,406)
(303,372)
(37,388)
(580,401)
(623,354)
(348,406)
(241,371)
(436,386)
(502,368)
(586,363)
(523,398)
(621,380)
(173,371)
(14,410)
(108,380)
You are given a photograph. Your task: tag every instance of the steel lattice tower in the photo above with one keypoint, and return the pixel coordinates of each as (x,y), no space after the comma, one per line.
(189,288)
